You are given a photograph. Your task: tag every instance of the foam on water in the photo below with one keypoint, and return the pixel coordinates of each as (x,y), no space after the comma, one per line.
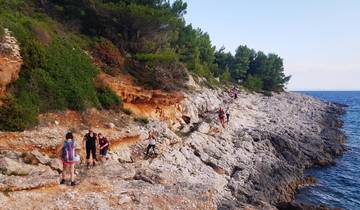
(339,185)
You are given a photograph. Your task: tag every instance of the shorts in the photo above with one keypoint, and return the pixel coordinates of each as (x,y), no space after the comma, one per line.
(68,163)
(103,152)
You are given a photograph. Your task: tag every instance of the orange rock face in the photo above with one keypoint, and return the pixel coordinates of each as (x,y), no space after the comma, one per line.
(10,61)
(9,72)
(149,103)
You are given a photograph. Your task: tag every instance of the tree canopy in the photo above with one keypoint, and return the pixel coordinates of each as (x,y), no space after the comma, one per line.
(153,28)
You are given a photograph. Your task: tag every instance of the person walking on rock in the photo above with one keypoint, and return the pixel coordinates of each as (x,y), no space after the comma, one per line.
(68,159)
(104,146)
(227,113)
(90,147)
(152,143)
(221,115)
(234,92)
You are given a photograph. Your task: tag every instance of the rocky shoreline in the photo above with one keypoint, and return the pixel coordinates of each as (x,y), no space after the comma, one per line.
(295,150)
(256,162)
(334,147)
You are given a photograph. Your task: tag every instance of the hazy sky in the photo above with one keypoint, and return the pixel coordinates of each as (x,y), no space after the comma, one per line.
(318,39)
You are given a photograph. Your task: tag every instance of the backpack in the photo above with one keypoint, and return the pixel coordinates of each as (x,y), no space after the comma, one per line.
(68,151)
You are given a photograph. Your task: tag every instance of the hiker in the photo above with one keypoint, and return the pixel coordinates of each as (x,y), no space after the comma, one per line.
(152,143)
(68,159)
(234,92)
(221,115)
(104,146)
(90,147)
(227,113)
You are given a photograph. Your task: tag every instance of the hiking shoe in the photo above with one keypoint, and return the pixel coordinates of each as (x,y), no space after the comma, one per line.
(73,183)
(62,181)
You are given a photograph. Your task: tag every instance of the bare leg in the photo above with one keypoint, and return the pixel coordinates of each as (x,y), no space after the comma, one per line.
(63,174)
(72,172)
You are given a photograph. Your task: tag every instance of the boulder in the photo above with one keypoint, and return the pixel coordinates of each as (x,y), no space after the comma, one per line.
(111,125)
(204,128)
(56,165)
(35,157)
(123,154)
(123,199)
(11,167)
(43,159)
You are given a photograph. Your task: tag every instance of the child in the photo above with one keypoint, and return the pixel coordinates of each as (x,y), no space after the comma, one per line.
(152,143)
(104,146)
(77,161)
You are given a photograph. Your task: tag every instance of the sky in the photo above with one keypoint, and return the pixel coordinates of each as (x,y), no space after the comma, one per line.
(319,40)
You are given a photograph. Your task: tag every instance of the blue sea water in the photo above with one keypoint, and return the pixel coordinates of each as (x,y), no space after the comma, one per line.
(339,185)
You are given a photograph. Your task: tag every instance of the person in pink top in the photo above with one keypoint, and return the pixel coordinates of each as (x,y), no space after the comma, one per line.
(68,159)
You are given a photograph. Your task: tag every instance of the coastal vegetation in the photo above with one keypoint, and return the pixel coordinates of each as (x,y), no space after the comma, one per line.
(64,44)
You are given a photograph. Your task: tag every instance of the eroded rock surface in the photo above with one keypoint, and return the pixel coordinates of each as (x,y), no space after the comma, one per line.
(255,162)
(10,60)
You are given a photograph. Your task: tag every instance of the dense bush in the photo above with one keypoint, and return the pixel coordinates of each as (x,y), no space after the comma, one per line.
(17,114)
(142,120)
(108,99)
(1,32)
(63,79)
(108,54)
(56,76)
(165,56)
(165,76)
(127,111)
(225,76)
(254,83)
(73,74)
(34,54)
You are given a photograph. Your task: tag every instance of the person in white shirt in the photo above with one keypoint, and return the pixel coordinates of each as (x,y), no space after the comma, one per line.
(152,142)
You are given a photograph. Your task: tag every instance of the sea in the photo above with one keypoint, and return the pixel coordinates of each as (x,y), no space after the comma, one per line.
(339,185)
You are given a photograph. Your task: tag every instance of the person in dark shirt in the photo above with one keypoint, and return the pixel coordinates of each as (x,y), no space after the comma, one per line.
(104,146)
(90,147)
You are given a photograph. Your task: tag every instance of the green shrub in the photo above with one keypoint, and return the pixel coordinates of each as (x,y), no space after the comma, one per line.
(73,74)
(17,114)
(107,53)
(57,77)
(254,83)
(34,55)
(164,56)
(267,93)
(2,32)
(165,76)
(225,76)
(127,111)
(142,120)
(62,80)
(107,98)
